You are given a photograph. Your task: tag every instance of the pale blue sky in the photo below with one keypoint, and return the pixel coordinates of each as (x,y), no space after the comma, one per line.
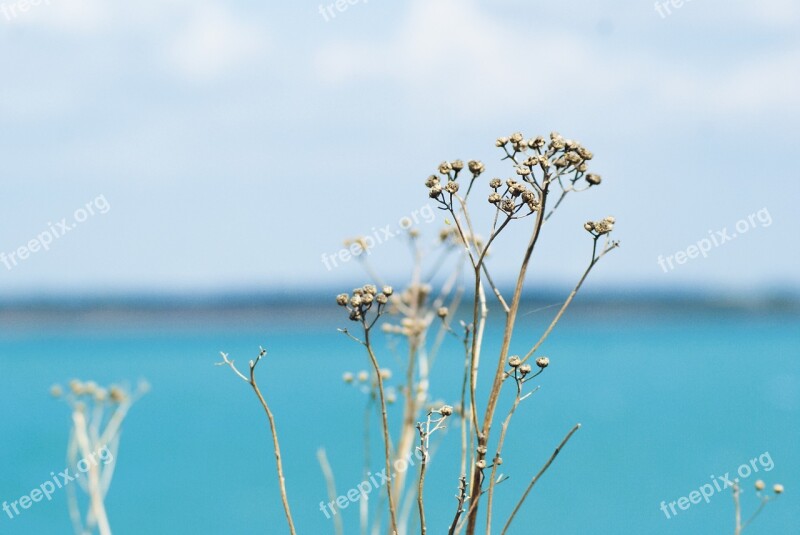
(237,142)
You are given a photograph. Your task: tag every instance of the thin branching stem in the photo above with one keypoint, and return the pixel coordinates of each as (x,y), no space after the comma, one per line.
(539,475)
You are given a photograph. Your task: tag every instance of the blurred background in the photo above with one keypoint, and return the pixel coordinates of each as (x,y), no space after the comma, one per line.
(176,177)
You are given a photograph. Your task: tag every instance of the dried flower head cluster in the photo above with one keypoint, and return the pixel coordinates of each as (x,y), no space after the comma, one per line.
(362,299)
(565,156)
(777,488)
(80,392)
(599,228)
(449,172)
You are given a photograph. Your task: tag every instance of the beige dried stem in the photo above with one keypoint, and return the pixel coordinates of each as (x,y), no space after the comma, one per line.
(97,417)
(541,167)
(251,380)
(739,527)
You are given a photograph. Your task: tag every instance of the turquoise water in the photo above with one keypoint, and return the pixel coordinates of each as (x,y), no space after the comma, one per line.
(668,396)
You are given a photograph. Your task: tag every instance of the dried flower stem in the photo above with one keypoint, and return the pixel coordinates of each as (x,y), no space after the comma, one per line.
(330,483)
(537,476)
(385,426)
(595,259)
(254,385)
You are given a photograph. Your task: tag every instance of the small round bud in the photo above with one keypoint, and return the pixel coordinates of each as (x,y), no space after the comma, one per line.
(446,410)
(525,369)
(480,465)
(495,183)
(760,485)
(498,461)
(367,298)
(451,187)
(363,376)
(386,374)
(370,289)
(435,191)
(56,391)
(543,362)
(457,165)
(382,299)
(347,377)
(342,299)
(387,290)
(610,219)
(777,488)
(476,167)
(116,394)
(356,301)
(442,312)
(514,361)
(432,181)
(593,179)
(501,141)
(495,198)
(391,398)
(516,137)
(589,226)
(445,168)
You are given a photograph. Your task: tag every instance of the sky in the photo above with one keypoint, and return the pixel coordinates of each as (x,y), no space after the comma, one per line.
(197,146)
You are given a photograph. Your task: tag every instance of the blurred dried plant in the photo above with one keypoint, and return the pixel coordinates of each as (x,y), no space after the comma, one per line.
(97,416)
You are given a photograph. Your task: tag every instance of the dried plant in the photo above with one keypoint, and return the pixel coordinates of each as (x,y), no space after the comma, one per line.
(777,489)
(542,168)
(251,380)
(97,416)
(422,318)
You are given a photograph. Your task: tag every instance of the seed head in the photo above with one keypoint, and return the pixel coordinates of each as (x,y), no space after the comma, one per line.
(370,289)
(514,361)
(56,391)
(347,377)
(495,198)
(476,167)
(777,488)
(445,168)
(495,183)
(760,485)
(593,179)
(446,410)
(388,290)
(507,206)
(432,181)
(363,376)
(435,191)
(442,312)
(525,369)
(457,165)
(501,141)
(451,187)
(543,362)
(382,299)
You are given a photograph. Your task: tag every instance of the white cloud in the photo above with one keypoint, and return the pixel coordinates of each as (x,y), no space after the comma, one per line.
(212,41)
(455,53)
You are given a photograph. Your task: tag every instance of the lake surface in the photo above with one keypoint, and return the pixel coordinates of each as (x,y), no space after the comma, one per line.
(670,398)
